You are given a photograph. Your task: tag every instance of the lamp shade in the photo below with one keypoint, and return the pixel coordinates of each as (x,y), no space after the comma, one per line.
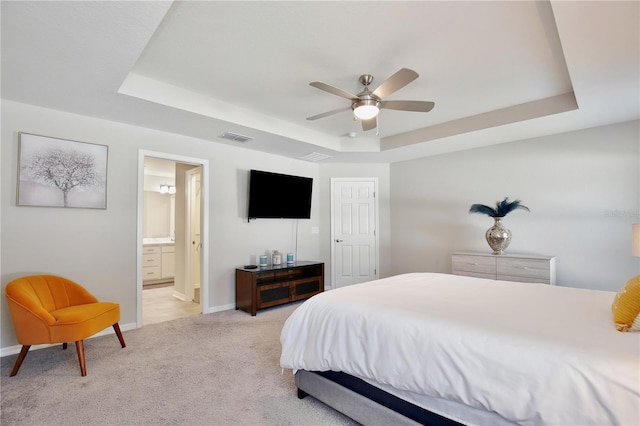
(366,112)
(635,239)
(366,109)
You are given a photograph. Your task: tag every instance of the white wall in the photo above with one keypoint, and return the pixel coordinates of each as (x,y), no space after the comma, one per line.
(582,188)
(157,215)
(380,171)
(98,247)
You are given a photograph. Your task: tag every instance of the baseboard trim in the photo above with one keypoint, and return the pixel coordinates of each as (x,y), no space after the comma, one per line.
(12,350)
(180,296)
(214,309)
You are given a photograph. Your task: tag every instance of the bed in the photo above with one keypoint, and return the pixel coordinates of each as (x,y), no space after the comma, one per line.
(465,350)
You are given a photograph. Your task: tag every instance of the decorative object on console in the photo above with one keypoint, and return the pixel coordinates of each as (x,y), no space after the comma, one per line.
(290,258)
(263,261)
(498,236)
(626,304)
(276,258)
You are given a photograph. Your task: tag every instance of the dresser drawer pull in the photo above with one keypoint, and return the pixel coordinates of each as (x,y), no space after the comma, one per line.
(471,263)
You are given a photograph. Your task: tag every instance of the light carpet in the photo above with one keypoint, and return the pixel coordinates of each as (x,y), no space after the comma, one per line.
(214,369)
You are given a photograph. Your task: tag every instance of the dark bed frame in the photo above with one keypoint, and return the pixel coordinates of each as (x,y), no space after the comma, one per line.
(363,402)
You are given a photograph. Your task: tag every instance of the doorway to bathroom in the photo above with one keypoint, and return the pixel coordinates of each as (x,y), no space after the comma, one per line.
(171,244)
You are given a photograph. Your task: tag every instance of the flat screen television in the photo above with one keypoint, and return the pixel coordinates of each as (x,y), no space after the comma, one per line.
(278,196)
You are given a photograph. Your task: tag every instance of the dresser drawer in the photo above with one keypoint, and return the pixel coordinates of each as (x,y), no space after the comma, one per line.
(515,278)
(524,268)
(475,264)
(151,260)
(151,250)
(151,273)
(169,249)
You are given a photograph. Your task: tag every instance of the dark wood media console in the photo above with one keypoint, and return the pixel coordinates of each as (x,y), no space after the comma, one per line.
(275,285)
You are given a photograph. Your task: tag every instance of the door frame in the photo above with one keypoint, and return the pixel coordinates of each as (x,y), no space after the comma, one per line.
(377,224)
(204,225)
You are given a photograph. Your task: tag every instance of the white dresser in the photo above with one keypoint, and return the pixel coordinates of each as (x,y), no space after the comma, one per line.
(507,267)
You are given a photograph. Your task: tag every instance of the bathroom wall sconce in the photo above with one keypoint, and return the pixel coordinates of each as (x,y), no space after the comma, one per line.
(167,189)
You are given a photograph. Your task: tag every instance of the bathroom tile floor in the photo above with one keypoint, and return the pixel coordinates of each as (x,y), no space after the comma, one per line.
(158,305)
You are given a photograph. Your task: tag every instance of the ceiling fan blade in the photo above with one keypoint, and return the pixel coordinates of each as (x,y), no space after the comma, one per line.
(395,82)
(418,106)
(369,124)
(328,113)
(333,90)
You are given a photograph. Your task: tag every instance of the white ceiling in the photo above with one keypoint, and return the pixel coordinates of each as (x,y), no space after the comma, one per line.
(498,71)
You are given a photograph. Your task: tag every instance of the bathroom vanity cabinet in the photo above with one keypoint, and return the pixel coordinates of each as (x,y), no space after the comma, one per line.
(158,263)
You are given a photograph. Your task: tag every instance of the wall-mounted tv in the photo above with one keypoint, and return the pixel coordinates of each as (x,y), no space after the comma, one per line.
(278,196)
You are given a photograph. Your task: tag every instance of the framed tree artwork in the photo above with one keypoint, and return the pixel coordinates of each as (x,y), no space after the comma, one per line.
(56,172)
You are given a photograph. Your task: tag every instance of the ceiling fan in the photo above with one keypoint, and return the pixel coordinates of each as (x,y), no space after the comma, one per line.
(367,104)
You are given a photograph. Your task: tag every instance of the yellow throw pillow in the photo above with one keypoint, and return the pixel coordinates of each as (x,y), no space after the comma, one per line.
(626,306)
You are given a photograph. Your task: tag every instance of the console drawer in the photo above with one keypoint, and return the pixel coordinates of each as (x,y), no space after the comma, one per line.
(474,264)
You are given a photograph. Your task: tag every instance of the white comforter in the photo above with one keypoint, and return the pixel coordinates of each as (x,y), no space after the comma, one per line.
(533,354)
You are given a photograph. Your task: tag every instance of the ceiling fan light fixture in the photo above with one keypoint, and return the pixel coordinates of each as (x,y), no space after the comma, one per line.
(367,104)
(366,109)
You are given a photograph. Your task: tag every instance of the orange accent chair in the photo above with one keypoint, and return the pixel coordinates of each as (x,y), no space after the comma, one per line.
(50,309)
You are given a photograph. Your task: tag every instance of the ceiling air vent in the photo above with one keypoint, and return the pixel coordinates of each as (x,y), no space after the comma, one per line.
(235,137)
(314,156)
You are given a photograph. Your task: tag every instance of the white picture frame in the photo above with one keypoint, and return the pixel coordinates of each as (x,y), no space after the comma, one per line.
(54,172)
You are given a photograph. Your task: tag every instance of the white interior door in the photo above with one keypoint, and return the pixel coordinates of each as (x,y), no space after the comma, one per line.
(196,243)
(353,231)
(192,179)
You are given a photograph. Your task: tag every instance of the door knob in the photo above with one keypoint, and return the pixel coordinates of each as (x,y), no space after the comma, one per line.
(338,241)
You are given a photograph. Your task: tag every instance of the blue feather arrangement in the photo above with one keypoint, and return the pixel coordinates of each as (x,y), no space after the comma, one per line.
(501,209)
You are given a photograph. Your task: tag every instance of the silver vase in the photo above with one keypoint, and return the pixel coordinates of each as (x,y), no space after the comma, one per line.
(498,237)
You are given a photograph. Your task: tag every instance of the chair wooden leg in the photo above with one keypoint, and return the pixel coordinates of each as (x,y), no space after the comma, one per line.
(23,354)
(64,345)
(116,328)
(80,350)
